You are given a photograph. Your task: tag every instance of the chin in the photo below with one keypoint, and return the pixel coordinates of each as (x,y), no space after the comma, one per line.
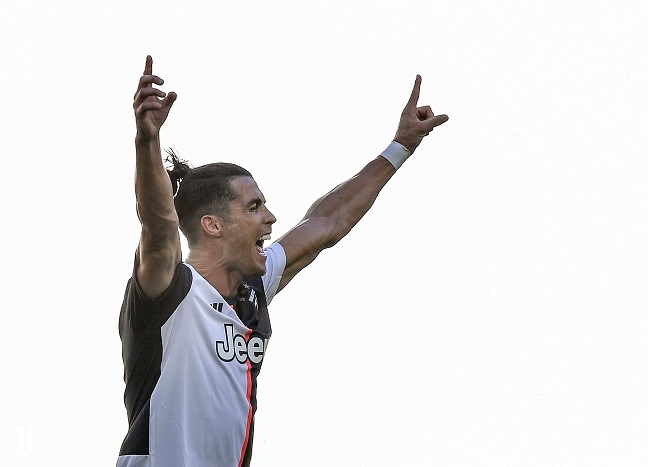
(257,270)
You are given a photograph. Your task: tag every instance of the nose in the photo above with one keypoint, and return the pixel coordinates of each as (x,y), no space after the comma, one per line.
(270,218)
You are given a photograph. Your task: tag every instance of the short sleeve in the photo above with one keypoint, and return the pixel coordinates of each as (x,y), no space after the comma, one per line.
(138,312)
(275,265)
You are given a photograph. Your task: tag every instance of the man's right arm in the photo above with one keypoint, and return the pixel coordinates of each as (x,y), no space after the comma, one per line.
(159,248)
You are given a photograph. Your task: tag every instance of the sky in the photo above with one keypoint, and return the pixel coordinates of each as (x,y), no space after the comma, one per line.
(491,309)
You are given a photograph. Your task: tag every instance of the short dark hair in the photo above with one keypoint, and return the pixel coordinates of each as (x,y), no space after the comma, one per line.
(200,191)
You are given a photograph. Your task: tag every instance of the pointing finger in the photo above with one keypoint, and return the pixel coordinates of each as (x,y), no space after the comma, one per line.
(415,92)
(148,67)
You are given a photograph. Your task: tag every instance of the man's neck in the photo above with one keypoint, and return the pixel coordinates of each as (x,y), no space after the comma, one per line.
(223,280)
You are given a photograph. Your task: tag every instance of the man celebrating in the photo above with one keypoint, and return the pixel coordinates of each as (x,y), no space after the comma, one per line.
(194,333)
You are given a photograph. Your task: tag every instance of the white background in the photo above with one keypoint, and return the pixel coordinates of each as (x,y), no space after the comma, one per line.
(490,310)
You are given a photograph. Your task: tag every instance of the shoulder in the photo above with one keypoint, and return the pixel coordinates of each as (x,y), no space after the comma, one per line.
(139,311)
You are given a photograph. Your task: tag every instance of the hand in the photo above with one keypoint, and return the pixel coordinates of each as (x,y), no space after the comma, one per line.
(151,105)
(416,122)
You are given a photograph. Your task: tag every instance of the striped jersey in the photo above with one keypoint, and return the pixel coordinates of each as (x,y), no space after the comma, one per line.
(191,361)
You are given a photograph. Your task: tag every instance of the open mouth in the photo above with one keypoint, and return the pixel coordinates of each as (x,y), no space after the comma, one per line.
(259,243)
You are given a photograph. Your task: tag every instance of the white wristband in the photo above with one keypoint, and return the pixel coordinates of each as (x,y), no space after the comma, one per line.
(396,153)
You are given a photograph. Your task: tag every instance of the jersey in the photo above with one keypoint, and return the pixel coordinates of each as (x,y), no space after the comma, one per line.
(191,362)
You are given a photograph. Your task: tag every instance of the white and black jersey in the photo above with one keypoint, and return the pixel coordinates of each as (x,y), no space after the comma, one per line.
(190,365)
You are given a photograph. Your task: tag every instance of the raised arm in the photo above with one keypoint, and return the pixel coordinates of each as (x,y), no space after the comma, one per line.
(159,247)
(333,215)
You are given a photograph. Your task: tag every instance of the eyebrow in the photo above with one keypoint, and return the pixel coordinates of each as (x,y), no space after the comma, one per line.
(255,201)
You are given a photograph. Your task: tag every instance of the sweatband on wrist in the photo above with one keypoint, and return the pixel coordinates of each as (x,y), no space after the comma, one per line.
(396,153)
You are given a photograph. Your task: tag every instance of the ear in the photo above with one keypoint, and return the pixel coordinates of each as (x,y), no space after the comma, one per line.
(211,226)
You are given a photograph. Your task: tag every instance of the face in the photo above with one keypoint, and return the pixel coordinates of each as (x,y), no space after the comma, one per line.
(249,227)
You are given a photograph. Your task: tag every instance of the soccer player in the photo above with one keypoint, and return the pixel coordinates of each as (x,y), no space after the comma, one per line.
(194,332)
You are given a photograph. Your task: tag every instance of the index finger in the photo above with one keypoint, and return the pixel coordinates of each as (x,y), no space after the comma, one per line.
(415,92)
(148,67)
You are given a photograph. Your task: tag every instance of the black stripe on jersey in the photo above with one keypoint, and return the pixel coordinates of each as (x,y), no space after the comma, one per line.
(252,310)
(251,307)
(140,321)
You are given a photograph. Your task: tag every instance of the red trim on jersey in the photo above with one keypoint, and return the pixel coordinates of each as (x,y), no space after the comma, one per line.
(249,399)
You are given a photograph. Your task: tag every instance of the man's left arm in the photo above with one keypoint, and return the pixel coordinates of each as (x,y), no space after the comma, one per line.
(333,215)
